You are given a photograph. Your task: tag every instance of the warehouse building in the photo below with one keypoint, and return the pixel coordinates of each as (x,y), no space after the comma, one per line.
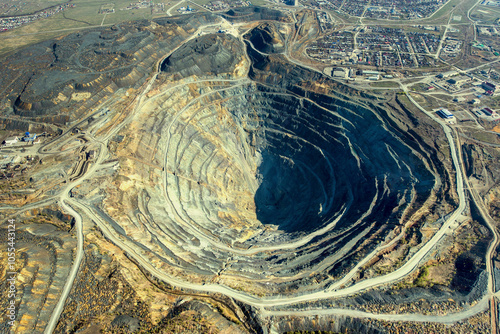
(445,113)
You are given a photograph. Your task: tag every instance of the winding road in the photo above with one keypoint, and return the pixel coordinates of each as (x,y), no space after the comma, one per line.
(77,208)
(51,325)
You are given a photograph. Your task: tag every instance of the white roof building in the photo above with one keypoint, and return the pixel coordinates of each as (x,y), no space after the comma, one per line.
(11,140)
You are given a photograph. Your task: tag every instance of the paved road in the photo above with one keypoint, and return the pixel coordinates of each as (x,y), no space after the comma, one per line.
(169,11)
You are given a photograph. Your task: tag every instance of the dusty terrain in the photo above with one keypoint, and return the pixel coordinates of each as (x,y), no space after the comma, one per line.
(213,184)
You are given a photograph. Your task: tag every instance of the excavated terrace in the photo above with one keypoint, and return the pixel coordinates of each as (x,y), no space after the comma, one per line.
(263,180)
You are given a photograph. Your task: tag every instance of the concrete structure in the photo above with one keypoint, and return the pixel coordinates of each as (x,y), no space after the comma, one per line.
(446,74)
(445,113)
(459,80)
(10,140)
(489,112)
(340,72)
(489,87)
(27,137)
(371,73)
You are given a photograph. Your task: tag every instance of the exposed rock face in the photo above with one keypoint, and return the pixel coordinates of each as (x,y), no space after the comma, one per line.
(246,14)
(62,80)
(207,54)
(45,258)
(268,178)
(474,166)
(266,38)
(236,168)
(126,323)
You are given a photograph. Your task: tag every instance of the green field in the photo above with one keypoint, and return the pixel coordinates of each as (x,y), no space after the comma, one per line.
(259,2)
(440,17)
(459,8)
(22,7)
(84,15)
(445,10)
(343,17)
(384,84)
(202,2)
(127,15)
(486,14)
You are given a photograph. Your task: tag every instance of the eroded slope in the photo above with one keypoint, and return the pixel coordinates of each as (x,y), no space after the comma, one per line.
(268,177)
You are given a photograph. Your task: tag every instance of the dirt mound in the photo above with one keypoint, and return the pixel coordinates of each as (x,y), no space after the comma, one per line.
(207,54)
(254,14)
(266,38)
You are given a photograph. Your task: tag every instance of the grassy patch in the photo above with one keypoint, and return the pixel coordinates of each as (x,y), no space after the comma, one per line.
(447,98)
(385,84)
(407,103)
(259,2)
(486,137)
(421,279)
(128,15)
(411,80)
(29,6)
(254,2)
(446,9)
(486,14)
(84,15)
(202,2)
(420,87)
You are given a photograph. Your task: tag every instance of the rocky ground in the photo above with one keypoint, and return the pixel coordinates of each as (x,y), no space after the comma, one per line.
(217,161)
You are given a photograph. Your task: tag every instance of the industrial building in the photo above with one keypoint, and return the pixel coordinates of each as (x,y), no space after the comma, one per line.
(10,141)
(445,113)
(370,73)
(489,87)
(446,74)
(489,112)
(340,72)
(28,137)
(459,80)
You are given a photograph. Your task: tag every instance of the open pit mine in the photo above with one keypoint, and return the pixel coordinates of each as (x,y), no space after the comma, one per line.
(195,178)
